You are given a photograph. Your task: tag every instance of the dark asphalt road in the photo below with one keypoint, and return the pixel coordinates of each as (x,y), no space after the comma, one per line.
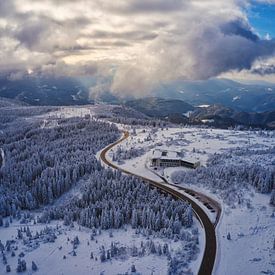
(209,255)
(209,202)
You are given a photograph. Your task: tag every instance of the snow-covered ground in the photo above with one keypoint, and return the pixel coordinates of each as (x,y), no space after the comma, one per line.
(58,255)
(52,249)
(197,144)
(250,250)
(97,110)
(252,228)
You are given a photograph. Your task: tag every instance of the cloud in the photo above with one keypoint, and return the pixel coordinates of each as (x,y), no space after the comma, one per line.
(152,6)
(128,35)
(195,49)
(264,70)
(135,44)
(60,68)
(239,28)
(6,7)
(31,33)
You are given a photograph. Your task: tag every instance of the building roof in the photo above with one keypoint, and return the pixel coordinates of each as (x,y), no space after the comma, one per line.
(165,154)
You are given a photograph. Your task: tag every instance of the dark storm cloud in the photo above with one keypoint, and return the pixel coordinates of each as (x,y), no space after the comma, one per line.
(236,49)
(239,28)
(200,52)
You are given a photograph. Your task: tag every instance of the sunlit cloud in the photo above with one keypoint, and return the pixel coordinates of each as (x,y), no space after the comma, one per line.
(139,43)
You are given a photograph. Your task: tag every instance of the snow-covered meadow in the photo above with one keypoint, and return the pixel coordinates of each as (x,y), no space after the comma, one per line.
(247,217)
(246,213)
(59,249)
(57,177)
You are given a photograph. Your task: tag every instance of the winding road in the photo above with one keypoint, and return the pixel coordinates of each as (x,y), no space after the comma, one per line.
(211,204)
(210,250)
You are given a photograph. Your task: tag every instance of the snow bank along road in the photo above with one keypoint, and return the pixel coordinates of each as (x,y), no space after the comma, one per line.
(209,255)
(210,203)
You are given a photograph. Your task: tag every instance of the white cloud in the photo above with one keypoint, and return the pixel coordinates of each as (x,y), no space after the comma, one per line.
(146,41)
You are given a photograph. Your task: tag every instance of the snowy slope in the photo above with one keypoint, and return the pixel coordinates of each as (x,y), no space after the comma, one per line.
(48,248)
(251,226)
(49,256)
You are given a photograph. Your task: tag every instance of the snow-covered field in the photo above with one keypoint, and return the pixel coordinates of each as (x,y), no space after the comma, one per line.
(54,249)
(197,144)
(249,250)
(252,226)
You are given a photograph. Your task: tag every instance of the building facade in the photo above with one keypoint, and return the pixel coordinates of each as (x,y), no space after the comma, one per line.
(164,158)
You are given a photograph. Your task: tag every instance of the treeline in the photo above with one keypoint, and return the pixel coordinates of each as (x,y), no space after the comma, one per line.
(112,200)
(43,163)
(228,175)
(123,154)
(10,114)
(140,122)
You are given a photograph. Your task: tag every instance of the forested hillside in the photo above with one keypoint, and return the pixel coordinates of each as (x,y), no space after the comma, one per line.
(42,163)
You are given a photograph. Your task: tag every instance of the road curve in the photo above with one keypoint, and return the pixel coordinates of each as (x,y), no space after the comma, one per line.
(210,203)
(209,254)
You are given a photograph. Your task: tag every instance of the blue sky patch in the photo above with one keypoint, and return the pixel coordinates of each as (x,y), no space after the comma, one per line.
(262,18)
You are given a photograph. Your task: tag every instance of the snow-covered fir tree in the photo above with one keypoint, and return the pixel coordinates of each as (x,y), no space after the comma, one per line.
(43,163)
(231,179)
(111,200)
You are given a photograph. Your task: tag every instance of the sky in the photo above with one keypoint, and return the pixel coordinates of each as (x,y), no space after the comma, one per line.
(262,18)
(131,46)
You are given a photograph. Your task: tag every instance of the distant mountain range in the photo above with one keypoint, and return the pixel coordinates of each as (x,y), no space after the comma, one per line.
(217,102)
(178,111)
(45,90)
(223,117)
(159,107)
(253,97)
(6,102)
(257,97)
